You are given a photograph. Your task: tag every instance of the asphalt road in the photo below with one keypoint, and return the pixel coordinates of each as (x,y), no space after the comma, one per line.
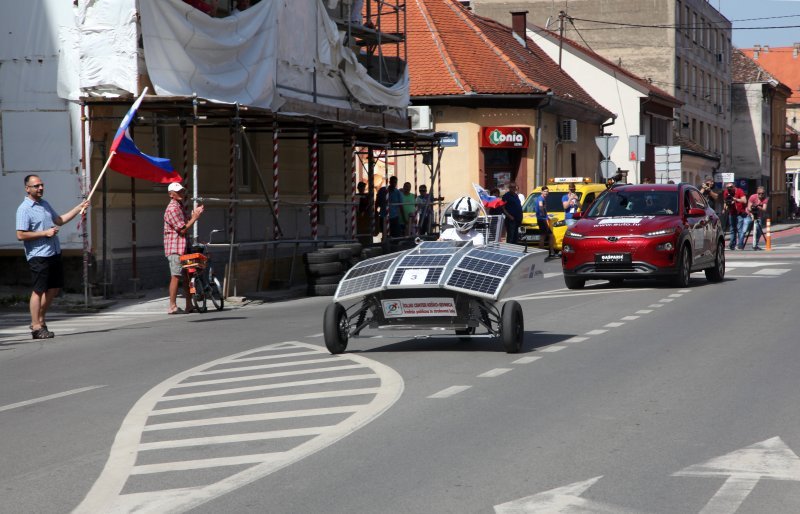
(639,398)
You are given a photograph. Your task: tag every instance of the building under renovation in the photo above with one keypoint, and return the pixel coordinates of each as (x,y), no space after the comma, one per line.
(270,131)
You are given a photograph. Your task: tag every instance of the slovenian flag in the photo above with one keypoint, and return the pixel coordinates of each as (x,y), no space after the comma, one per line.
(130,161)
(487,199)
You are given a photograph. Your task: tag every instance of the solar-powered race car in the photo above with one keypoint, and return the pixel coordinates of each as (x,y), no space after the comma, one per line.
(438,285)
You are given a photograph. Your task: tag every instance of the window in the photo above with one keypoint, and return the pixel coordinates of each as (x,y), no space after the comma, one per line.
(686,21)
(701,27)
(678,80)
(694,27)
(686,75)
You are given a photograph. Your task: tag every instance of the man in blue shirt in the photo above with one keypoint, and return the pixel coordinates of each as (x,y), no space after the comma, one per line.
(513,211)
(37,228)
(543,220)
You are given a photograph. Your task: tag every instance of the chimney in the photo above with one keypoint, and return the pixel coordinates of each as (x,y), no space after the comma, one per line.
(795,50)
(766,48)
(519,25)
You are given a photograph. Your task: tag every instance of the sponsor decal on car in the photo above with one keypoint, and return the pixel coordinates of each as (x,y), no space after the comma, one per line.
(612,222)
(419,307)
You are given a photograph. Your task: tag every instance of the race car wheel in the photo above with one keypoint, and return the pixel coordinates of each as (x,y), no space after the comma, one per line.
(334,328)
(684,269)
(574,282)
(717,273)
(512,328)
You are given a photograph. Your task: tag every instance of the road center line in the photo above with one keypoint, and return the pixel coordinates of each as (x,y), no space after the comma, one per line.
(644,311)
(576,339)
(614,324)
(550,349)
(596,332)
(629,318)
(526,360)
(450,391)
(656,305)
(496,372)
(49,397)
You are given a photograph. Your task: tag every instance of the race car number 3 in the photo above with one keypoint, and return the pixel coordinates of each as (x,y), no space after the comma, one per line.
(414,276)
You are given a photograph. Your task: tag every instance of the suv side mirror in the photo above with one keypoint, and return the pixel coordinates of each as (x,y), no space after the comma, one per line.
(577,215)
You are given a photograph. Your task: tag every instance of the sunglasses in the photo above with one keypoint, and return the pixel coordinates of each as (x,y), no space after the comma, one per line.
(35,185)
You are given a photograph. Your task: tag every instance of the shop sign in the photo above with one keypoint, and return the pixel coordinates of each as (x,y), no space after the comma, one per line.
(505,137)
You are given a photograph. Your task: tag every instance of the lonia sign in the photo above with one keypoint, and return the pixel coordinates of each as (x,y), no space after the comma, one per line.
(505,137)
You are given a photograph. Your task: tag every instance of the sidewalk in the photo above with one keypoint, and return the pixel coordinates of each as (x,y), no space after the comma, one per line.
(15,299)
(775,227)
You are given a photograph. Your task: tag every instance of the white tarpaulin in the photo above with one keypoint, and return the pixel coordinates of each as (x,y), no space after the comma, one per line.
(103,44)
(273,50)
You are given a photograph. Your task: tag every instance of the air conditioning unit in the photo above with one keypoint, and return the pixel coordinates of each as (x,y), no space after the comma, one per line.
(420,117)
(568,130)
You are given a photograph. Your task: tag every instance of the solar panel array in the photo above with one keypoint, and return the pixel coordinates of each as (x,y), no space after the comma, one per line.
(483,270)
(365,276)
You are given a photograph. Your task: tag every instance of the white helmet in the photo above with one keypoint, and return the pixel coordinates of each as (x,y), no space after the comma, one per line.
(464,213)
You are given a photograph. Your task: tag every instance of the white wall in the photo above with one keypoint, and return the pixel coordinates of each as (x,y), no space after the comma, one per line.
(39,132)
(618,96)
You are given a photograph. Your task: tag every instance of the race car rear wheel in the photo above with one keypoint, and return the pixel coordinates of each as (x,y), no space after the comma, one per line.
(335,328)
(512,328)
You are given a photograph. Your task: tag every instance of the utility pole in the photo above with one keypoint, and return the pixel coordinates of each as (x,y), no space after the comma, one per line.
(561,16)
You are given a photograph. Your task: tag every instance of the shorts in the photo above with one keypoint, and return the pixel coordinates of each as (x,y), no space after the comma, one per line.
(47,273)
(175,268)
(544,226)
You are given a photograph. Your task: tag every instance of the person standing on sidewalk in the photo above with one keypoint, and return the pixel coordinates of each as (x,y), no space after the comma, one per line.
(513,211)
(735,201)
(37,228)
(175,229)
(756,209)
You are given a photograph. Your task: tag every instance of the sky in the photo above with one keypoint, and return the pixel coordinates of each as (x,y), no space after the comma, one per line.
(779,13)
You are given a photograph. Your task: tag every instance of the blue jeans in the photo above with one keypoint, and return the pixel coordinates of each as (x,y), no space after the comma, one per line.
(746,226)
(735,225)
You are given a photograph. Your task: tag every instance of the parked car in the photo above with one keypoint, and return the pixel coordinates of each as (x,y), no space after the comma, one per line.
(585,189)
(645,231)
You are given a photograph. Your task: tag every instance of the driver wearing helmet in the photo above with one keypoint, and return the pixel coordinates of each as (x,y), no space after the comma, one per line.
(464,213)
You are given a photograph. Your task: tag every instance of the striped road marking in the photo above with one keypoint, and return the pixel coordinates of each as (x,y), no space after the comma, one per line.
(450,391)
(242,417)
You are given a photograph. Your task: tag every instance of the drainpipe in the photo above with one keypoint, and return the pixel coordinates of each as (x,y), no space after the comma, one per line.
(539,139)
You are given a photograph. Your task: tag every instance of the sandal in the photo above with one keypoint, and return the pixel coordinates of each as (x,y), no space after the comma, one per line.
(177,310)
(42,333)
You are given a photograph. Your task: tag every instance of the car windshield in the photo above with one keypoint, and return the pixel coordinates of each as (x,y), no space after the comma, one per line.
(635,203)
(553,203)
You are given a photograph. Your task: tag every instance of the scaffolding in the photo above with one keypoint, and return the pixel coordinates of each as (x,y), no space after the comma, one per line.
(191,115)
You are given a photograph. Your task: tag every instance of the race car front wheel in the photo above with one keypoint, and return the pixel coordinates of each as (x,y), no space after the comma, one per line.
(335,328)
(512,328)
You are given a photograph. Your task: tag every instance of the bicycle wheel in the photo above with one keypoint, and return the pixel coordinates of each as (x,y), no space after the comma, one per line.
(199,296)
(216,293)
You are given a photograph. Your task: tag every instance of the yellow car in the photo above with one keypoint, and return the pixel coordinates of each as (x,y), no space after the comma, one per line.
(585,189)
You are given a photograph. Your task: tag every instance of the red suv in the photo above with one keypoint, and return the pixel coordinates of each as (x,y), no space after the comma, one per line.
(645,231)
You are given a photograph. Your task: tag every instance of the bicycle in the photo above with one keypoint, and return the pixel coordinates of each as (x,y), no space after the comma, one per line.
(203,284)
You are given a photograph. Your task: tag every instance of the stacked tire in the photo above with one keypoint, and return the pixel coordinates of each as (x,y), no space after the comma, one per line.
(326,267)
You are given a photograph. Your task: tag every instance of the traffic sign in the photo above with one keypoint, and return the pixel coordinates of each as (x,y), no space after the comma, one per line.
(636,144)
(608,169)
(606,144)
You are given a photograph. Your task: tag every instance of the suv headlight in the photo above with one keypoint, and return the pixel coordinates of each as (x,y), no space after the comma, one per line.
(572,233)
(661,232)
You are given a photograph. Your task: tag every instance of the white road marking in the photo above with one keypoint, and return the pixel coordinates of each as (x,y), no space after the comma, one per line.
(684,290)
(770,459)
(48,397)
(614,324)
(771,271)
(450,391)
(336,413)
(576,339)
(239,369)
(656,305)
(629,318)
(526,360)
(267,375)
(675,295)
(551,275)
(561,500)
(666,300)
(596,332)
(565,293)
(551,349)
(645,311)
(753,264)
(316,335)
(496,372)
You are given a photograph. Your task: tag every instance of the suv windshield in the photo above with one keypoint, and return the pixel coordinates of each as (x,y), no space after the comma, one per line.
(635,203)
(553,203)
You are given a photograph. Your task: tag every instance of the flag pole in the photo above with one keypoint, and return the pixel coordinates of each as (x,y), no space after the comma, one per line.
(123,126)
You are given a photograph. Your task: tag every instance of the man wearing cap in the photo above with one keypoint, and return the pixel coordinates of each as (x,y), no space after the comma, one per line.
(175,229)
